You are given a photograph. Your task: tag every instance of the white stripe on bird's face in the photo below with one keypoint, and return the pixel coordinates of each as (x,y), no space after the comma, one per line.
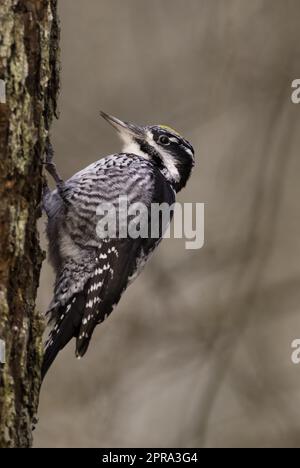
(188,151)
(167,159)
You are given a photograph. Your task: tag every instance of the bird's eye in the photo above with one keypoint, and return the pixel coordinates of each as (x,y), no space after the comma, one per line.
(164,140)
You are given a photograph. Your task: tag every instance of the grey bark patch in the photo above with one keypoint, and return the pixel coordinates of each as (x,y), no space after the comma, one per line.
(2,92)
(2,352)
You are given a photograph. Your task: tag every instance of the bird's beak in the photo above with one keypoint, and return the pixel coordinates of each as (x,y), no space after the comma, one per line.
(125,129)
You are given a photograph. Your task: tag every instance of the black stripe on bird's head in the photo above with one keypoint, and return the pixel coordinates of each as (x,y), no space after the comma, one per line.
(172,153)
(176,153)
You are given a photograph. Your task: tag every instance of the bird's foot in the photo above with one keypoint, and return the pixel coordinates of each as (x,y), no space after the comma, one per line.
(49,164)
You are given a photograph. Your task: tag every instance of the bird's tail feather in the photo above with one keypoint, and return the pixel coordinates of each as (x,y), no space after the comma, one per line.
(66,327)
(49,356)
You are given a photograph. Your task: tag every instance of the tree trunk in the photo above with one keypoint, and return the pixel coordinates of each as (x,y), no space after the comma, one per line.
(29,74)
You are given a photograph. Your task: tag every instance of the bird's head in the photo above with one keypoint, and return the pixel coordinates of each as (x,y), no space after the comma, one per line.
(164,146)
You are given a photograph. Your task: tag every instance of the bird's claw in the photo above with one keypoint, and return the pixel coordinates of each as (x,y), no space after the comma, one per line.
(49,152)
(48,163)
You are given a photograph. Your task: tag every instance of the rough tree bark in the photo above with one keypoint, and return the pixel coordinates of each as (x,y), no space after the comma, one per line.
(29,69)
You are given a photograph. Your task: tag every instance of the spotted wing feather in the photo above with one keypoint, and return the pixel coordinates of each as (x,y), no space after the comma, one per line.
(105,287)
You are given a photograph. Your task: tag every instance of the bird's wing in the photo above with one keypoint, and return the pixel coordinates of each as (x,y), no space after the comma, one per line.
(115,265)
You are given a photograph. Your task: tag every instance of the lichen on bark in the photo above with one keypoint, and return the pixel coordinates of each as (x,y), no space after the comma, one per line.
(29,66)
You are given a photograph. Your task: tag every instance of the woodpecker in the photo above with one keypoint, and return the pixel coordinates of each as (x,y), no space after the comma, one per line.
(91,272)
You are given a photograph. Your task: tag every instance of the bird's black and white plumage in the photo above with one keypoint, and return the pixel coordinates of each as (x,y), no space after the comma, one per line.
(92,272)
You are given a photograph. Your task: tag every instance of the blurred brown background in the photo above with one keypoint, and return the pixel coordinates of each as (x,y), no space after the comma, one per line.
(198,353)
